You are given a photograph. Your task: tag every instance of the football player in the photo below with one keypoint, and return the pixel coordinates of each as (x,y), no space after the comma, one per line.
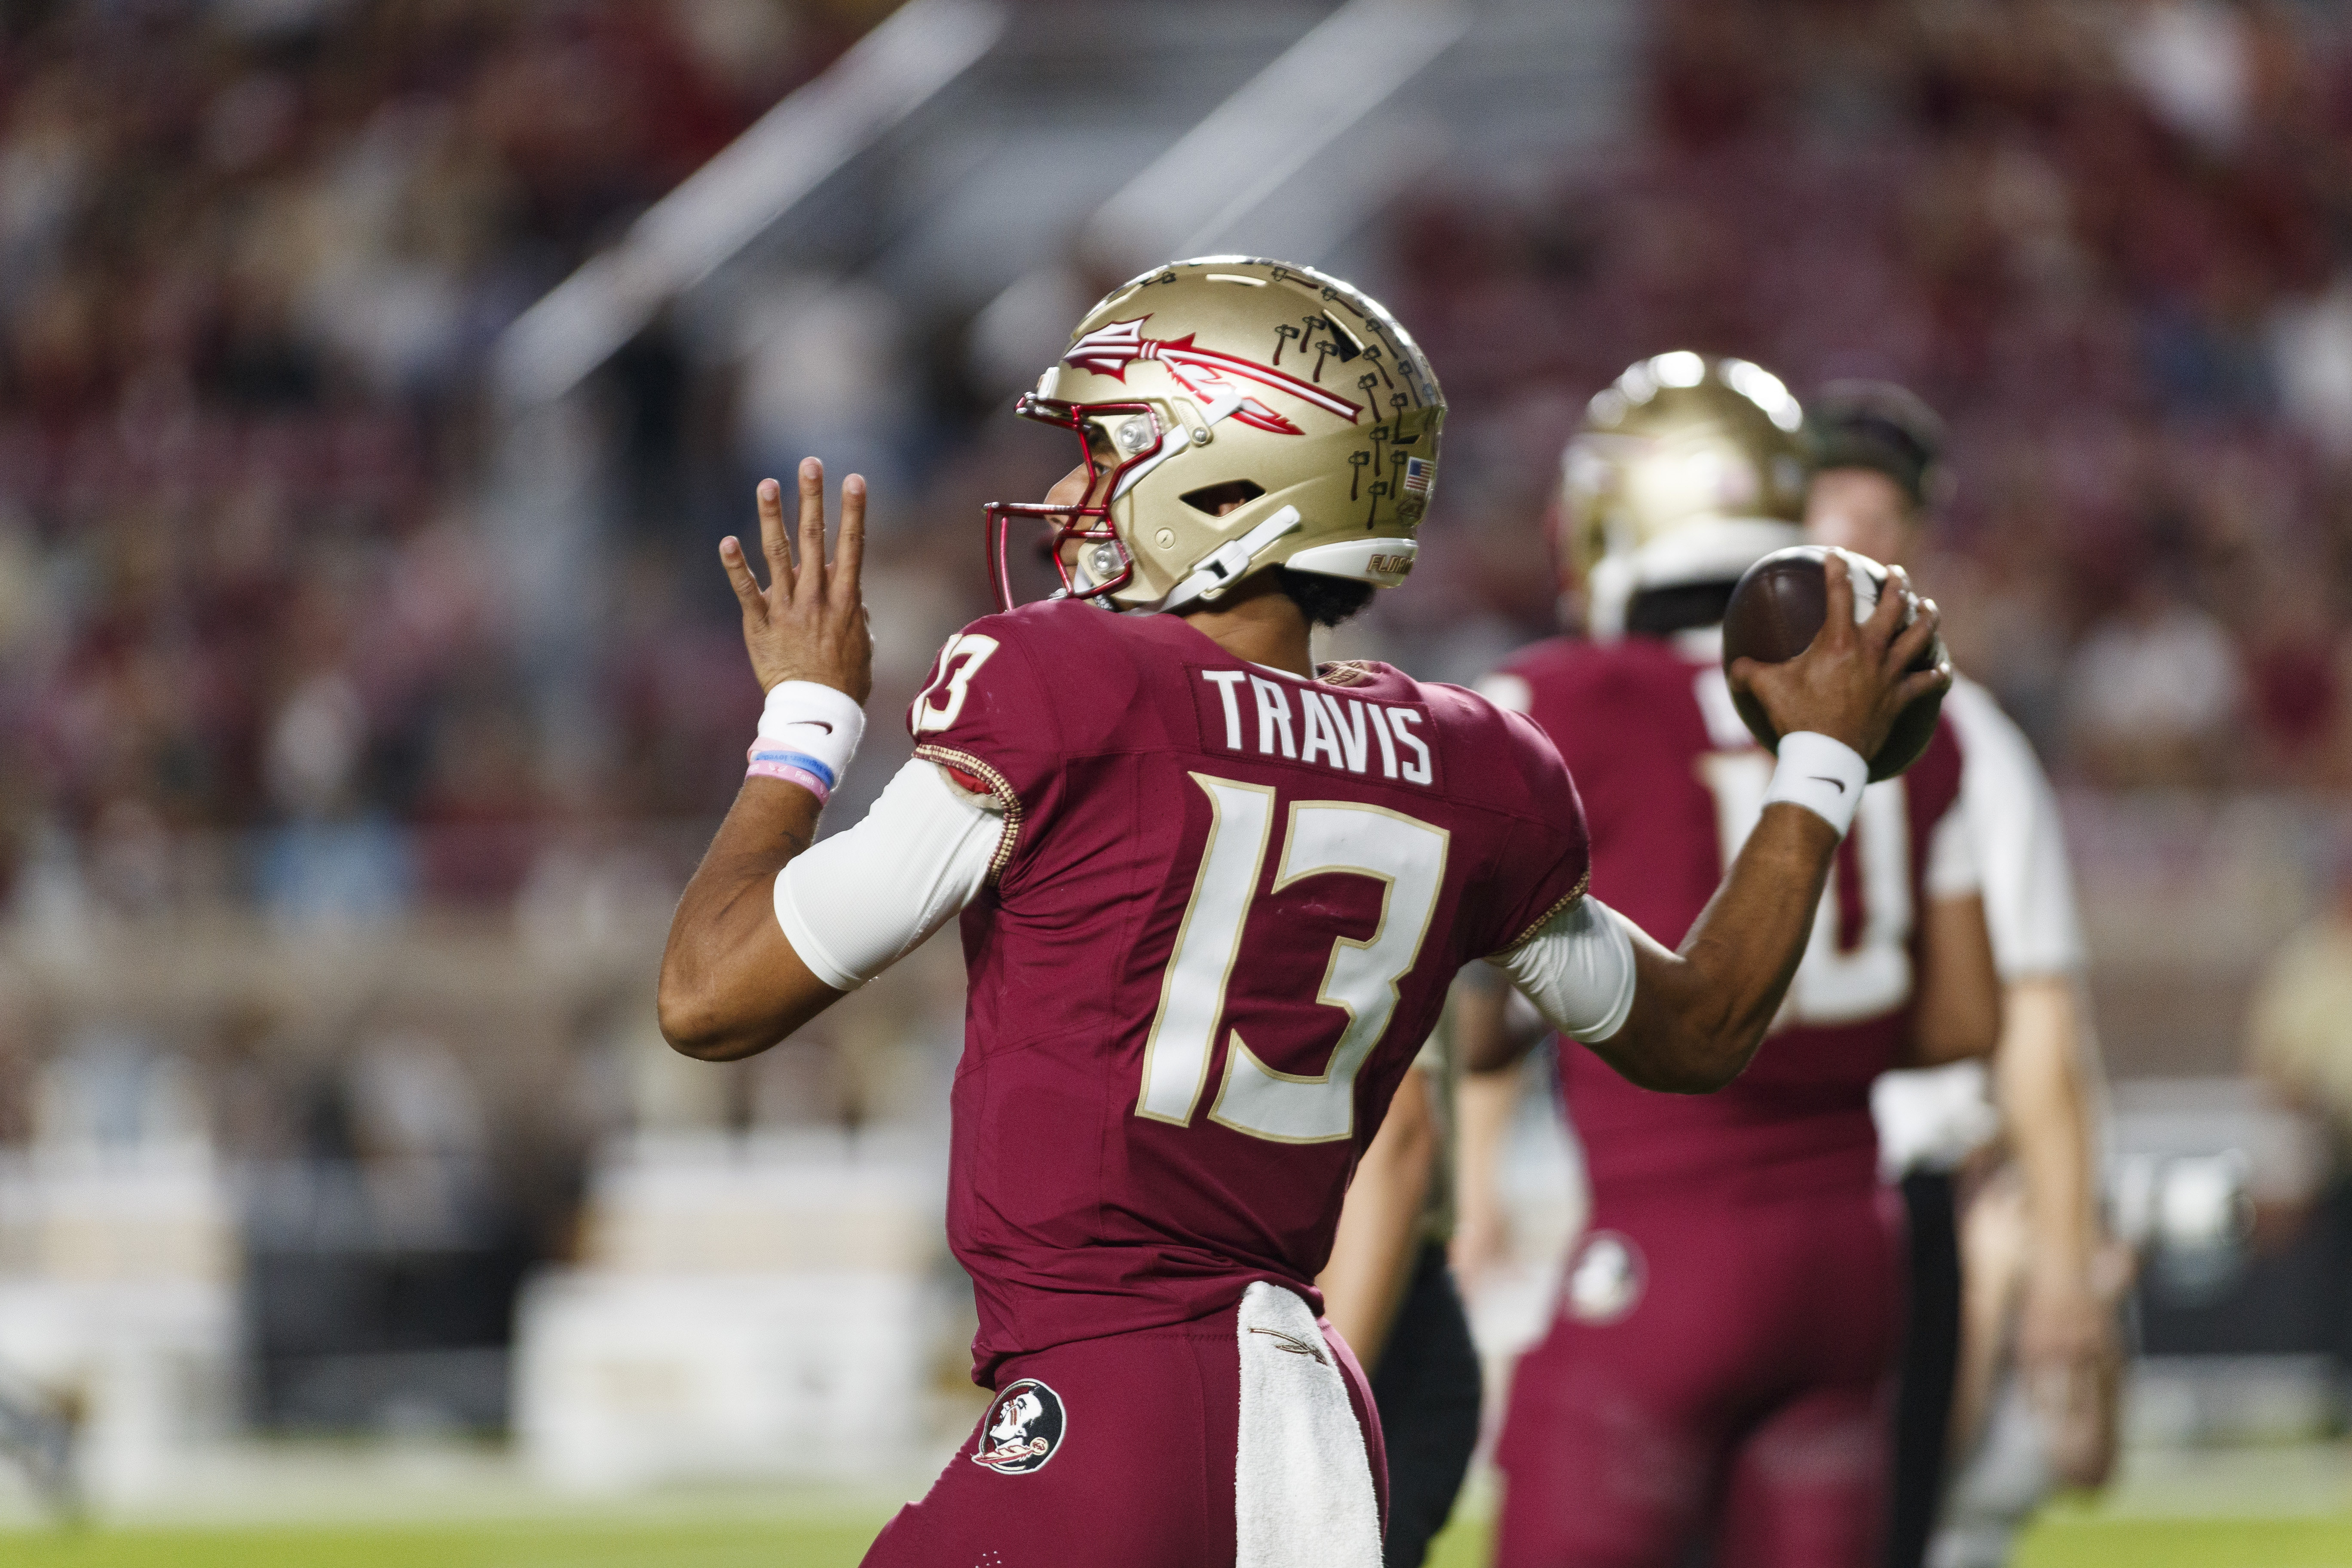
(1212,897)
(1388,1288)
(1717,1372)
(1879,476)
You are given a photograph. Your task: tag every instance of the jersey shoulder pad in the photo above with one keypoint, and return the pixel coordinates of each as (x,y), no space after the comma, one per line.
(1537,675)
(986,690)
(1056,677)
(1518,768)
(1578,672)
(1551,658)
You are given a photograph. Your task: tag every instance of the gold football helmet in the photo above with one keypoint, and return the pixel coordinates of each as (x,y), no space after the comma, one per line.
(1227,380)
(1688,470)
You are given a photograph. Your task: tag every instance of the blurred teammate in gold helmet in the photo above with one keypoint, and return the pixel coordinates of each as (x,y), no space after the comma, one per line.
(1688,470)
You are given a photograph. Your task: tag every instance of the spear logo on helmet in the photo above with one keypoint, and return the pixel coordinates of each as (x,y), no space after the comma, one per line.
(1203,372)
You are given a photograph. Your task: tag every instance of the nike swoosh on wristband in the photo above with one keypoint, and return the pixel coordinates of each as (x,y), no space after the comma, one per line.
(1839,782)
(813,723)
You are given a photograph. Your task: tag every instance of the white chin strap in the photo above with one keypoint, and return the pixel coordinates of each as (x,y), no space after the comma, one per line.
(1609,588)
(1706,550)
(1218,569)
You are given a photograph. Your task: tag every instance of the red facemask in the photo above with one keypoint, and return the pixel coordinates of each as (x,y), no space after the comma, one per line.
(1105,564)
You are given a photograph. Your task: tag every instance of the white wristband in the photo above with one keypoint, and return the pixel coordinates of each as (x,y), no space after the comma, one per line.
(1823,775)
(815,721)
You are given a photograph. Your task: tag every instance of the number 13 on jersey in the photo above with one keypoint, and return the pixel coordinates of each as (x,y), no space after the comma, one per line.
(1322,838)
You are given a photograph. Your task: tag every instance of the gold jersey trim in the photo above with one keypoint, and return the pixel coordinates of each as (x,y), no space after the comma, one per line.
(1545,918)
(999,789)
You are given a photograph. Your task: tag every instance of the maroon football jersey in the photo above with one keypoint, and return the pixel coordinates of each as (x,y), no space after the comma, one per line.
(1672,784)
(1223,920)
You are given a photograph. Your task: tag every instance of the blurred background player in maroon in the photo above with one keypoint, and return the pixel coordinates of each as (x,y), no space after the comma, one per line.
(2038,1408)
(1721,1360)
(1173,839)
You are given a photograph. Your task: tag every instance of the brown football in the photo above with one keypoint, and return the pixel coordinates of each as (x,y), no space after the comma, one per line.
(1774,614)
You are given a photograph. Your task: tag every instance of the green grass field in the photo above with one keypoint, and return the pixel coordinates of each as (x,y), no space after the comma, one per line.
(2191,1543)
(736,1544)
(2078,1542)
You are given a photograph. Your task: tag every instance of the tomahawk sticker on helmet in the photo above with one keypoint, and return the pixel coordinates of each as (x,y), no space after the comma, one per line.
(1207,374)
(1234,413)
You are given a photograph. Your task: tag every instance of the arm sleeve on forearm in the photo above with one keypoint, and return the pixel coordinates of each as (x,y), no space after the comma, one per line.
(1577,969)
(860,900)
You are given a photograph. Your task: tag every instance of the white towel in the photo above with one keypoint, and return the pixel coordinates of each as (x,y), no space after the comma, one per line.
(1303,1492)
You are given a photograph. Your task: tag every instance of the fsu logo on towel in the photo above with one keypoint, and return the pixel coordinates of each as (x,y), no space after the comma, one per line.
(1024,1429)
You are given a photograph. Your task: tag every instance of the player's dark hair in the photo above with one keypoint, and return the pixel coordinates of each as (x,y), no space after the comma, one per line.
(1885,428)
(1324,601)
(1662,612)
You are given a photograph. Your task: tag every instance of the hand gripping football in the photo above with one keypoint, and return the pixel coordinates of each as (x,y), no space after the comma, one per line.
(1774,614)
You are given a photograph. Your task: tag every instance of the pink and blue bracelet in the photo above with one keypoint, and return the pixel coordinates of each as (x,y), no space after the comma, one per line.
(792,767)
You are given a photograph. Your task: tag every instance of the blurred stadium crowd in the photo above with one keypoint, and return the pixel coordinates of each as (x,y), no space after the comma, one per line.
(255,649)
(251,259)
(2110,243)
(252,256)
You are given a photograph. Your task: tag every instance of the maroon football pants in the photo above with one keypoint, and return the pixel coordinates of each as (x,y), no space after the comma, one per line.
(1140,1472)
(1741,1394)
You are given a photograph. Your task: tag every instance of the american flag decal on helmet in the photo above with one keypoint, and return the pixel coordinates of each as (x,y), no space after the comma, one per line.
(1206,373)
(1417,473)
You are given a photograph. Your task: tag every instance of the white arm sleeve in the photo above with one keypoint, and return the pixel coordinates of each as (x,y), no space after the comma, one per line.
(1577,969)
(1952,870)
(2020,845)
(857,902)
